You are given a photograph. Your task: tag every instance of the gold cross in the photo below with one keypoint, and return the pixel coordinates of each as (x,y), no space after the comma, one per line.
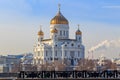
(59,6)
(40,27)
(78,26)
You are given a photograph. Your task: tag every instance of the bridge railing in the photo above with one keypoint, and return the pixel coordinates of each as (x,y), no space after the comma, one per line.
(69,74)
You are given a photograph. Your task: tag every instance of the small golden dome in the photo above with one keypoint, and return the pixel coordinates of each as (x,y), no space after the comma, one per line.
(78,32)
(40,33)
(54,30)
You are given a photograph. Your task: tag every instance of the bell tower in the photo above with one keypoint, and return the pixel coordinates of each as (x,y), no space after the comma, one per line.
(40,35)
(79,35)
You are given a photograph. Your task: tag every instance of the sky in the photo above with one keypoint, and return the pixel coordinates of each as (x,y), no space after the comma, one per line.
(99,21)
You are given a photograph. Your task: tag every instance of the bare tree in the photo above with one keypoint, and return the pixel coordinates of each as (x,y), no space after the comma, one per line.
(56,65)
(109,65)
(85,64)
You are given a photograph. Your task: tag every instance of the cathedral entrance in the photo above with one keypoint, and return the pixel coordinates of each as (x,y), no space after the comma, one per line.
(72,54)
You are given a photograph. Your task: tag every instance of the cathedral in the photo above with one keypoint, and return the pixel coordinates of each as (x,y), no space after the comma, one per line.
(59,46)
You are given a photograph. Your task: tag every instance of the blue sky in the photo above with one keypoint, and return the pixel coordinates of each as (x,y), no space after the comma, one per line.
(20,21)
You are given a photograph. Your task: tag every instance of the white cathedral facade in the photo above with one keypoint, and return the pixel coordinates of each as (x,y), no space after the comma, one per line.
(59,46)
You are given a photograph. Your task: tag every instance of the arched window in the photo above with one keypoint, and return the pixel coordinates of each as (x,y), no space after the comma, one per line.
(79,38)
(78,53)
(60,33)
(65,53)
(55,35)
(55,45)
(38,53)
(42,53)
(65,45)
(72,44)
(55,53)
(64,33)
(46,53)
(67,33)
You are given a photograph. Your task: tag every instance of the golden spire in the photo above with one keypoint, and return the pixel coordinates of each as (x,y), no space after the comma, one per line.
(78,32)
(59,7)
(78,26)
(40,33)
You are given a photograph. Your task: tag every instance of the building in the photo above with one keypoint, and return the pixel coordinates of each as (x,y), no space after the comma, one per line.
(101,60)
(6,62)
(59,46)
(117,62)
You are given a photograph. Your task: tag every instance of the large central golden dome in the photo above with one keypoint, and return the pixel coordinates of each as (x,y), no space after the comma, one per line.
(59,19)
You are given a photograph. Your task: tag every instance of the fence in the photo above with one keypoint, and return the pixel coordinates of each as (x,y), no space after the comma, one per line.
(69,74)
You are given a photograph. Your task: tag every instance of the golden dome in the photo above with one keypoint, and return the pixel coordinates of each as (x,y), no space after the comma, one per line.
(40,33)
(54,30)
(59,18)
(78,32)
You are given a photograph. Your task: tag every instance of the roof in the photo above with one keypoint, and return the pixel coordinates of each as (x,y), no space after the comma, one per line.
(46,39)
(68,39)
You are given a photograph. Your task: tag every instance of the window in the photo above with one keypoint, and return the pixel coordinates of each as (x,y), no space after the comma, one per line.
(38,53)
(41,53)
(64,33)
(55,53)
(72,54)
(61,53)
(67,33)
(72,44)
(79,38)
(65,53)
(38,61)
(56,45)
(65,45)
(51,58)
(46,53)
(60,33)
(78,53)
